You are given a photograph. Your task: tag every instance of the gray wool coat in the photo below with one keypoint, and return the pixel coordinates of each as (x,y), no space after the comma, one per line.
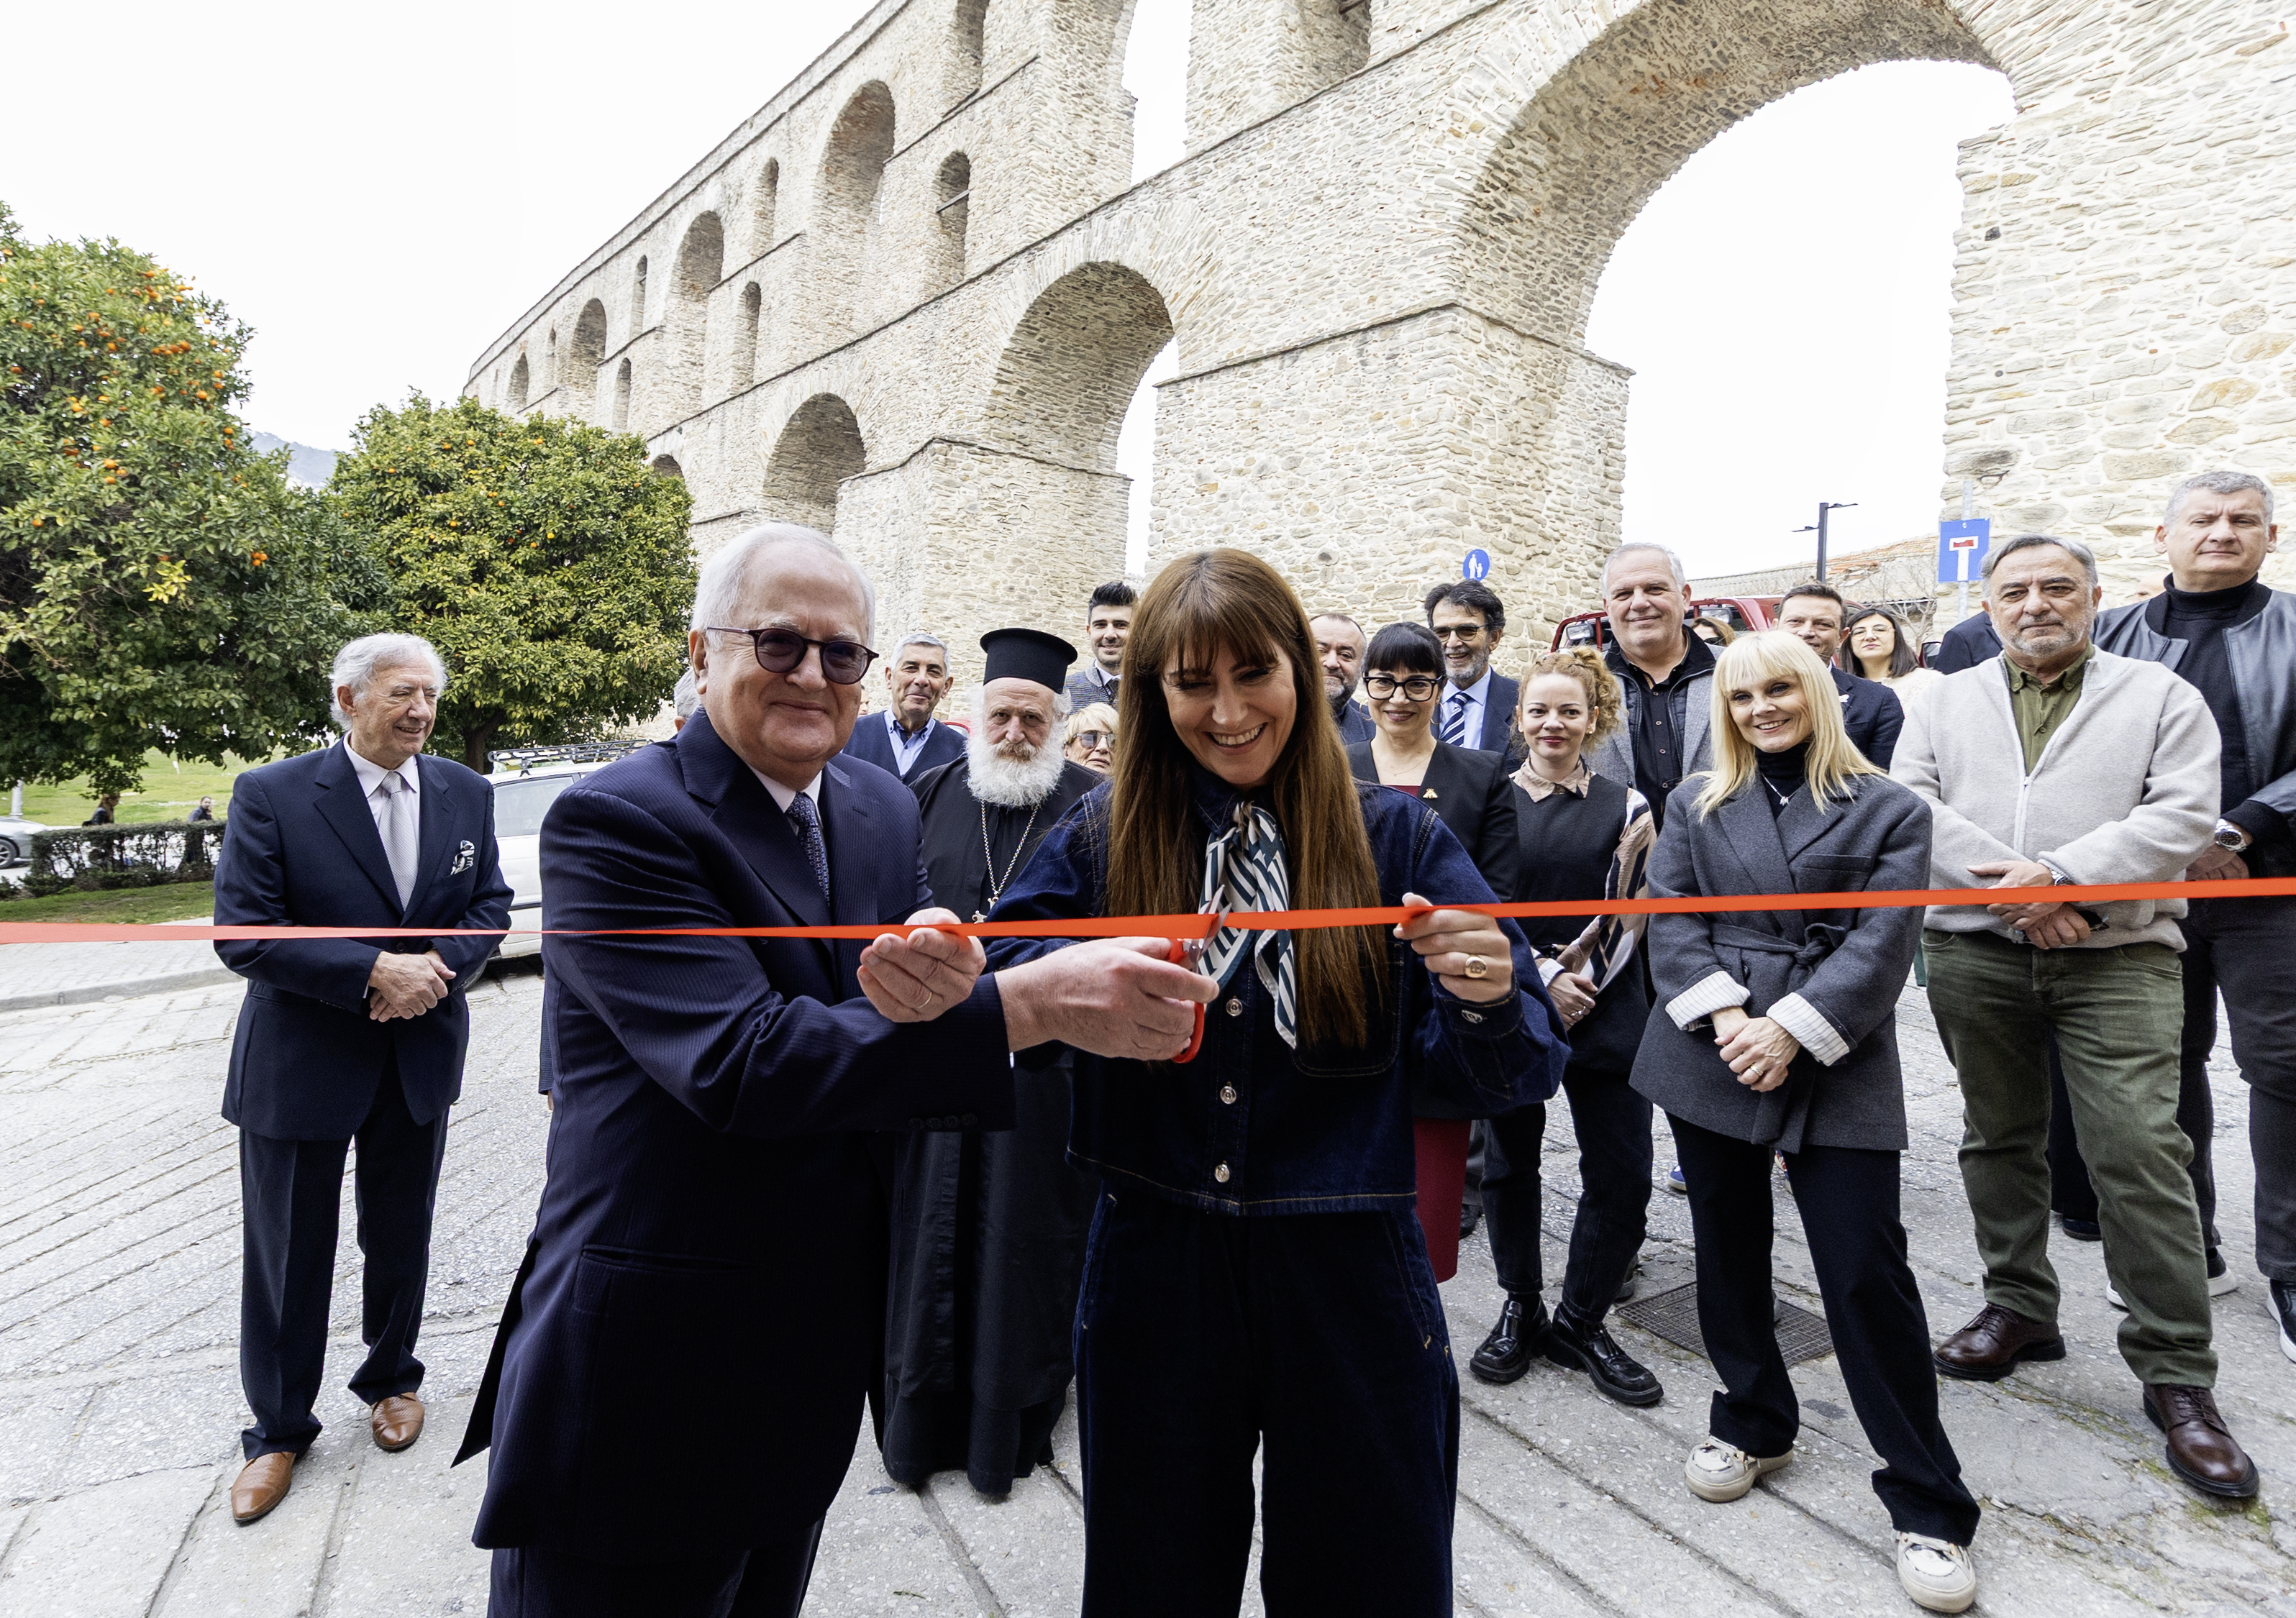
(1832,977)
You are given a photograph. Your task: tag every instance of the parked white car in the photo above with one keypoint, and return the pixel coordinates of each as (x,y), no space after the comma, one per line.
(526,780)
(16,834)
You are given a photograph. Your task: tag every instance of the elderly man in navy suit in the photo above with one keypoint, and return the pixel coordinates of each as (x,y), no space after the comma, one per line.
(906,737)
(677,1383)
(346,1039)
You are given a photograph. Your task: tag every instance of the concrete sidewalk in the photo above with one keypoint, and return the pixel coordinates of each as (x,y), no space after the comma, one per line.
(37,975)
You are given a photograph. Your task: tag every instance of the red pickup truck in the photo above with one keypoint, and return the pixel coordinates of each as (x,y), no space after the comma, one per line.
(1743,612)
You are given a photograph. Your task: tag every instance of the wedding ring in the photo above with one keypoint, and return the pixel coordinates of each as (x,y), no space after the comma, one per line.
(1477,966)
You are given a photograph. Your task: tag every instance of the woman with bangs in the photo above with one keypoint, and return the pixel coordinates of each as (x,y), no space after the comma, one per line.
(1774,1032)
(1256,1279)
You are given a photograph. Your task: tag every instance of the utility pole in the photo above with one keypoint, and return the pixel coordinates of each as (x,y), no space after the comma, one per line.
(1823,506)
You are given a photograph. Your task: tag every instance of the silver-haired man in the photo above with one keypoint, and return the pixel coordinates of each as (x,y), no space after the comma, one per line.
(1666,671)
(343,1039)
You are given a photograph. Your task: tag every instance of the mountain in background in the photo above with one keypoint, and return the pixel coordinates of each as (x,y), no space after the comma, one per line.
(308,467)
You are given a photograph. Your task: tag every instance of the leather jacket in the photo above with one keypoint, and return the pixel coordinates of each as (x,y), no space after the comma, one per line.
(2262,653)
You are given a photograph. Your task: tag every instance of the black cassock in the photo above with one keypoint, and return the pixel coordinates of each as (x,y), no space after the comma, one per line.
(988,1227)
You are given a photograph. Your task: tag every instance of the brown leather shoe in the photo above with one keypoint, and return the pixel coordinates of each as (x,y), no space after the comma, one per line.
(396,1421)
(261,1484)
(1990,1347)
(2202,1451)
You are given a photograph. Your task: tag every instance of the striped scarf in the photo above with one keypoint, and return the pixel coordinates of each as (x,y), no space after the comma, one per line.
(1243,870)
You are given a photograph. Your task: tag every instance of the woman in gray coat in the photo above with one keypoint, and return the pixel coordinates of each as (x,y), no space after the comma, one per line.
(1774,1032)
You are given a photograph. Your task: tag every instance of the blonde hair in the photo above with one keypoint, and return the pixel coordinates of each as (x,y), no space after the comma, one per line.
(1605,698)
(1094,716)
(1831,760)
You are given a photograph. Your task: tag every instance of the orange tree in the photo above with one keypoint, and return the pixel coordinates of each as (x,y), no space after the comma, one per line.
(161,585)
(542,557)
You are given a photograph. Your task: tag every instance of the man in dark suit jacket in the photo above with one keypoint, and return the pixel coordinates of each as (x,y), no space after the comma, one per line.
(1339,647)
(348,1039)
(1968,643)
(1478,711)
(906,737)
(1816,614)
(678,1379)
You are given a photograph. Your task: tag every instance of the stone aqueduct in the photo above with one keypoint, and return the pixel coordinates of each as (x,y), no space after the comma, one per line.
(910,298)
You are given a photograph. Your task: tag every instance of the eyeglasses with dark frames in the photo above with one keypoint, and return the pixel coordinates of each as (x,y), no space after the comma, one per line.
(780,651)
(1460,632)
(1417,688)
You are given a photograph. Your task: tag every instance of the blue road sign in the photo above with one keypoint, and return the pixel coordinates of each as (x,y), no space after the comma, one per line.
(1477,565)
(1961,548)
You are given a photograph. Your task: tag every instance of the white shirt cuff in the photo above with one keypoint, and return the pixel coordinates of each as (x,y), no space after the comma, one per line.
(1705,997)
(1549,969)
(1808,1025)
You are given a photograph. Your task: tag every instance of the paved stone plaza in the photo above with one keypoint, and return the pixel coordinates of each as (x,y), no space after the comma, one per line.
(119,1407)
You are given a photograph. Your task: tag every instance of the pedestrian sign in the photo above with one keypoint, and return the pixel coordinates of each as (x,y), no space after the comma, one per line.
(1961,548)
(1477,565)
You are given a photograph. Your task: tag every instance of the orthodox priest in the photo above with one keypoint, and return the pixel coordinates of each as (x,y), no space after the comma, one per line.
(988,1226)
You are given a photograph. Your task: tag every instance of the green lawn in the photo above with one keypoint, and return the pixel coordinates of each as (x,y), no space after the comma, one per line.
(178,901)
(169,791)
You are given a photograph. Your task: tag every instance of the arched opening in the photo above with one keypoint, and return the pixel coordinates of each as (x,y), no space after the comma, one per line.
(968,46)
(745,351)
(762,206)
(550,360)
(1575,166)
(665,466)
(700,264)
(818,450)
(1334,37)
(952,203)
(621,420)
(1065,386)
(638,299)
(583,356)
(514,396)
(852,170)
(1155,75)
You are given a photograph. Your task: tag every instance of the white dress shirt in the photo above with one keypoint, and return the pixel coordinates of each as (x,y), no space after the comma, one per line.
(783,796)
(370,779)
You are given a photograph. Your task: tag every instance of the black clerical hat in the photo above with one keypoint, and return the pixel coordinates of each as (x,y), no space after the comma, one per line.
(1028,654)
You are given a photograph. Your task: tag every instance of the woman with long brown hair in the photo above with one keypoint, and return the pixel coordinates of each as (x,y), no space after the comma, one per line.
(1255,1275)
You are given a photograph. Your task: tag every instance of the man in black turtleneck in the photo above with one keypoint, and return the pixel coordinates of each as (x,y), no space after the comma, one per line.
(2220,626)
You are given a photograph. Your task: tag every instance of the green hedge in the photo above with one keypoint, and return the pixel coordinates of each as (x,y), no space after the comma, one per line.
(91,859)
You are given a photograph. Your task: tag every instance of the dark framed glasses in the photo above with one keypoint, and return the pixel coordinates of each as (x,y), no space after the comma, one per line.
(781,651)
(1415,688)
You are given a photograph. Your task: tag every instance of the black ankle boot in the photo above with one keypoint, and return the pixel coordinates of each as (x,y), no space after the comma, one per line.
(1506,1353)
(1590,1349)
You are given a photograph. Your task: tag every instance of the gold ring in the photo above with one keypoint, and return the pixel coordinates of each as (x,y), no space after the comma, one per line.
(1477,966)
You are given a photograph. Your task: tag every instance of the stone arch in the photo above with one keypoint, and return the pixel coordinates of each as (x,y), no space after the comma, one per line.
(952,208)
(550,360)
(819,448)
(583,356)
(745,349)
(968,49)
(764,202)
(638,297)
(622,385)
(665,466)
(845,205)
(520,380)
(700,264)
(1072,364)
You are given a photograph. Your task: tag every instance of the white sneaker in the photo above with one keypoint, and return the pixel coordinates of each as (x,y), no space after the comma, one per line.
(2219,1283)
(1937,1575)
(1722,1473)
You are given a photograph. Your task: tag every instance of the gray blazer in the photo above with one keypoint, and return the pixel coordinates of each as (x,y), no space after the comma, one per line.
(1832,977)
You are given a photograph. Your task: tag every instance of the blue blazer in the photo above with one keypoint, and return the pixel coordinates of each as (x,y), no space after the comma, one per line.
(1967,644)
(1498,715)
(682,1361)
(300,848)
(1356,725)
(870,742)
(1872,714)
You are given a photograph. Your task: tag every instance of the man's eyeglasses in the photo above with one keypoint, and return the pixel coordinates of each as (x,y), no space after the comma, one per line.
(1092,741)
(1460,632)
(781,651)
(1416,688)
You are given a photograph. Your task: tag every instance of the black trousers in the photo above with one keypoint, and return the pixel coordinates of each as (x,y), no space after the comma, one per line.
(1317,1339)
(2247,947)
(288,1194)
(1848,1204)
(1613,1127)
(767,1581)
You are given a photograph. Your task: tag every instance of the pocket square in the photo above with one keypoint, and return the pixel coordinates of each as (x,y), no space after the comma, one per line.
(465,856)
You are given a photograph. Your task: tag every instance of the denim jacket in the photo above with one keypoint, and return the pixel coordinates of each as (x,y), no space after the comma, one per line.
(1251,1126)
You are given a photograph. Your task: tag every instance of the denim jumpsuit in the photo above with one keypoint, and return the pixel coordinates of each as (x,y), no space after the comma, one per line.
(1255,1275)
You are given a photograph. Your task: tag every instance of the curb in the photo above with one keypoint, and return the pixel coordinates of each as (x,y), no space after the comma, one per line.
(164,984)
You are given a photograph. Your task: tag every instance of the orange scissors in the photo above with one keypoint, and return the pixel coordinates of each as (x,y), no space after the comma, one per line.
(1190,952)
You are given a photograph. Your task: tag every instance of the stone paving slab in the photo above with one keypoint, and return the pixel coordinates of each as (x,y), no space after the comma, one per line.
(33,975)
(119,1404)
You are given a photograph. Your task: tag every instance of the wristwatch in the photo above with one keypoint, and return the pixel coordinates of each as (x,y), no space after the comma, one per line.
(2231,836)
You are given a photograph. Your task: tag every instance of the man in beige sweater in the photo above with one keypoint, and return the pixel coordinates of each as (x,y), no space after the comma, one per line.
(2055,762)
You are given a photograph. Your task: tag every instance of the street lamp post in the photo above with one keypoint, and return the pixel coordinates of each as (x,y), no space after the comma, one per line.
(1823,506)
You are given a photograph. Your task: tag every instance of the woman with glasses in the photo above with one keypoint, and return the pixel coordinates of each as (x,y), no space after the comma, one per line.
(1255,1282)
(1879,646)
(1090,740)
(1468,790)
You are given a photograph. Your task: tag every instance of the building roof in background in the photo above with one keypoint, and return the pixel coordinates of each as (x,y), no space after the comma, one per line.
(1901,575)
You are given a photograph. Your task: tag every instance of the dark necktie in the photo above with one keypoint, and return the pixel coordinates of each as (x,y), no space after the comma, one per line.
(806,821)
(1455,720)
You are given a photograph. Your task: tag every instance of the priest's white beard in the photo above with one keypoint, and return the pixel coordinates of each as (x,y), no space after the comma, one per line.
(1014,776)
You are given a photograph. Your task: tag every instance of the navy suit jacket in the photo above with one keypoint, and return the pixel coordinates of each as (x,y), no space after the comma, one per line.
(1872,714)
(682,1361)
(300,848)
(1498,715)
(870,741)
(1355,723)
(1967,644)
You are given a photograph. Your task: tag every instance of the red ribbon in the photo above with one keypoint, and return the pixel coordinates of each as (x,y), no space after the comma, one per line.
(1199,925)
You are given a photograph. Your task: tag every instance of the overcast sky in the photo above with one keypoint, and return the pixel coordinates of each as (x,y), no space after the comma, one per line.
(380,192)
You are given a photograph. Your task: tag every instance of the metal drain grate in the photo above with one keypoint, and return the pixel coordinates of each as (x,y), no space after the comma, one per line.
(1673,1315)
